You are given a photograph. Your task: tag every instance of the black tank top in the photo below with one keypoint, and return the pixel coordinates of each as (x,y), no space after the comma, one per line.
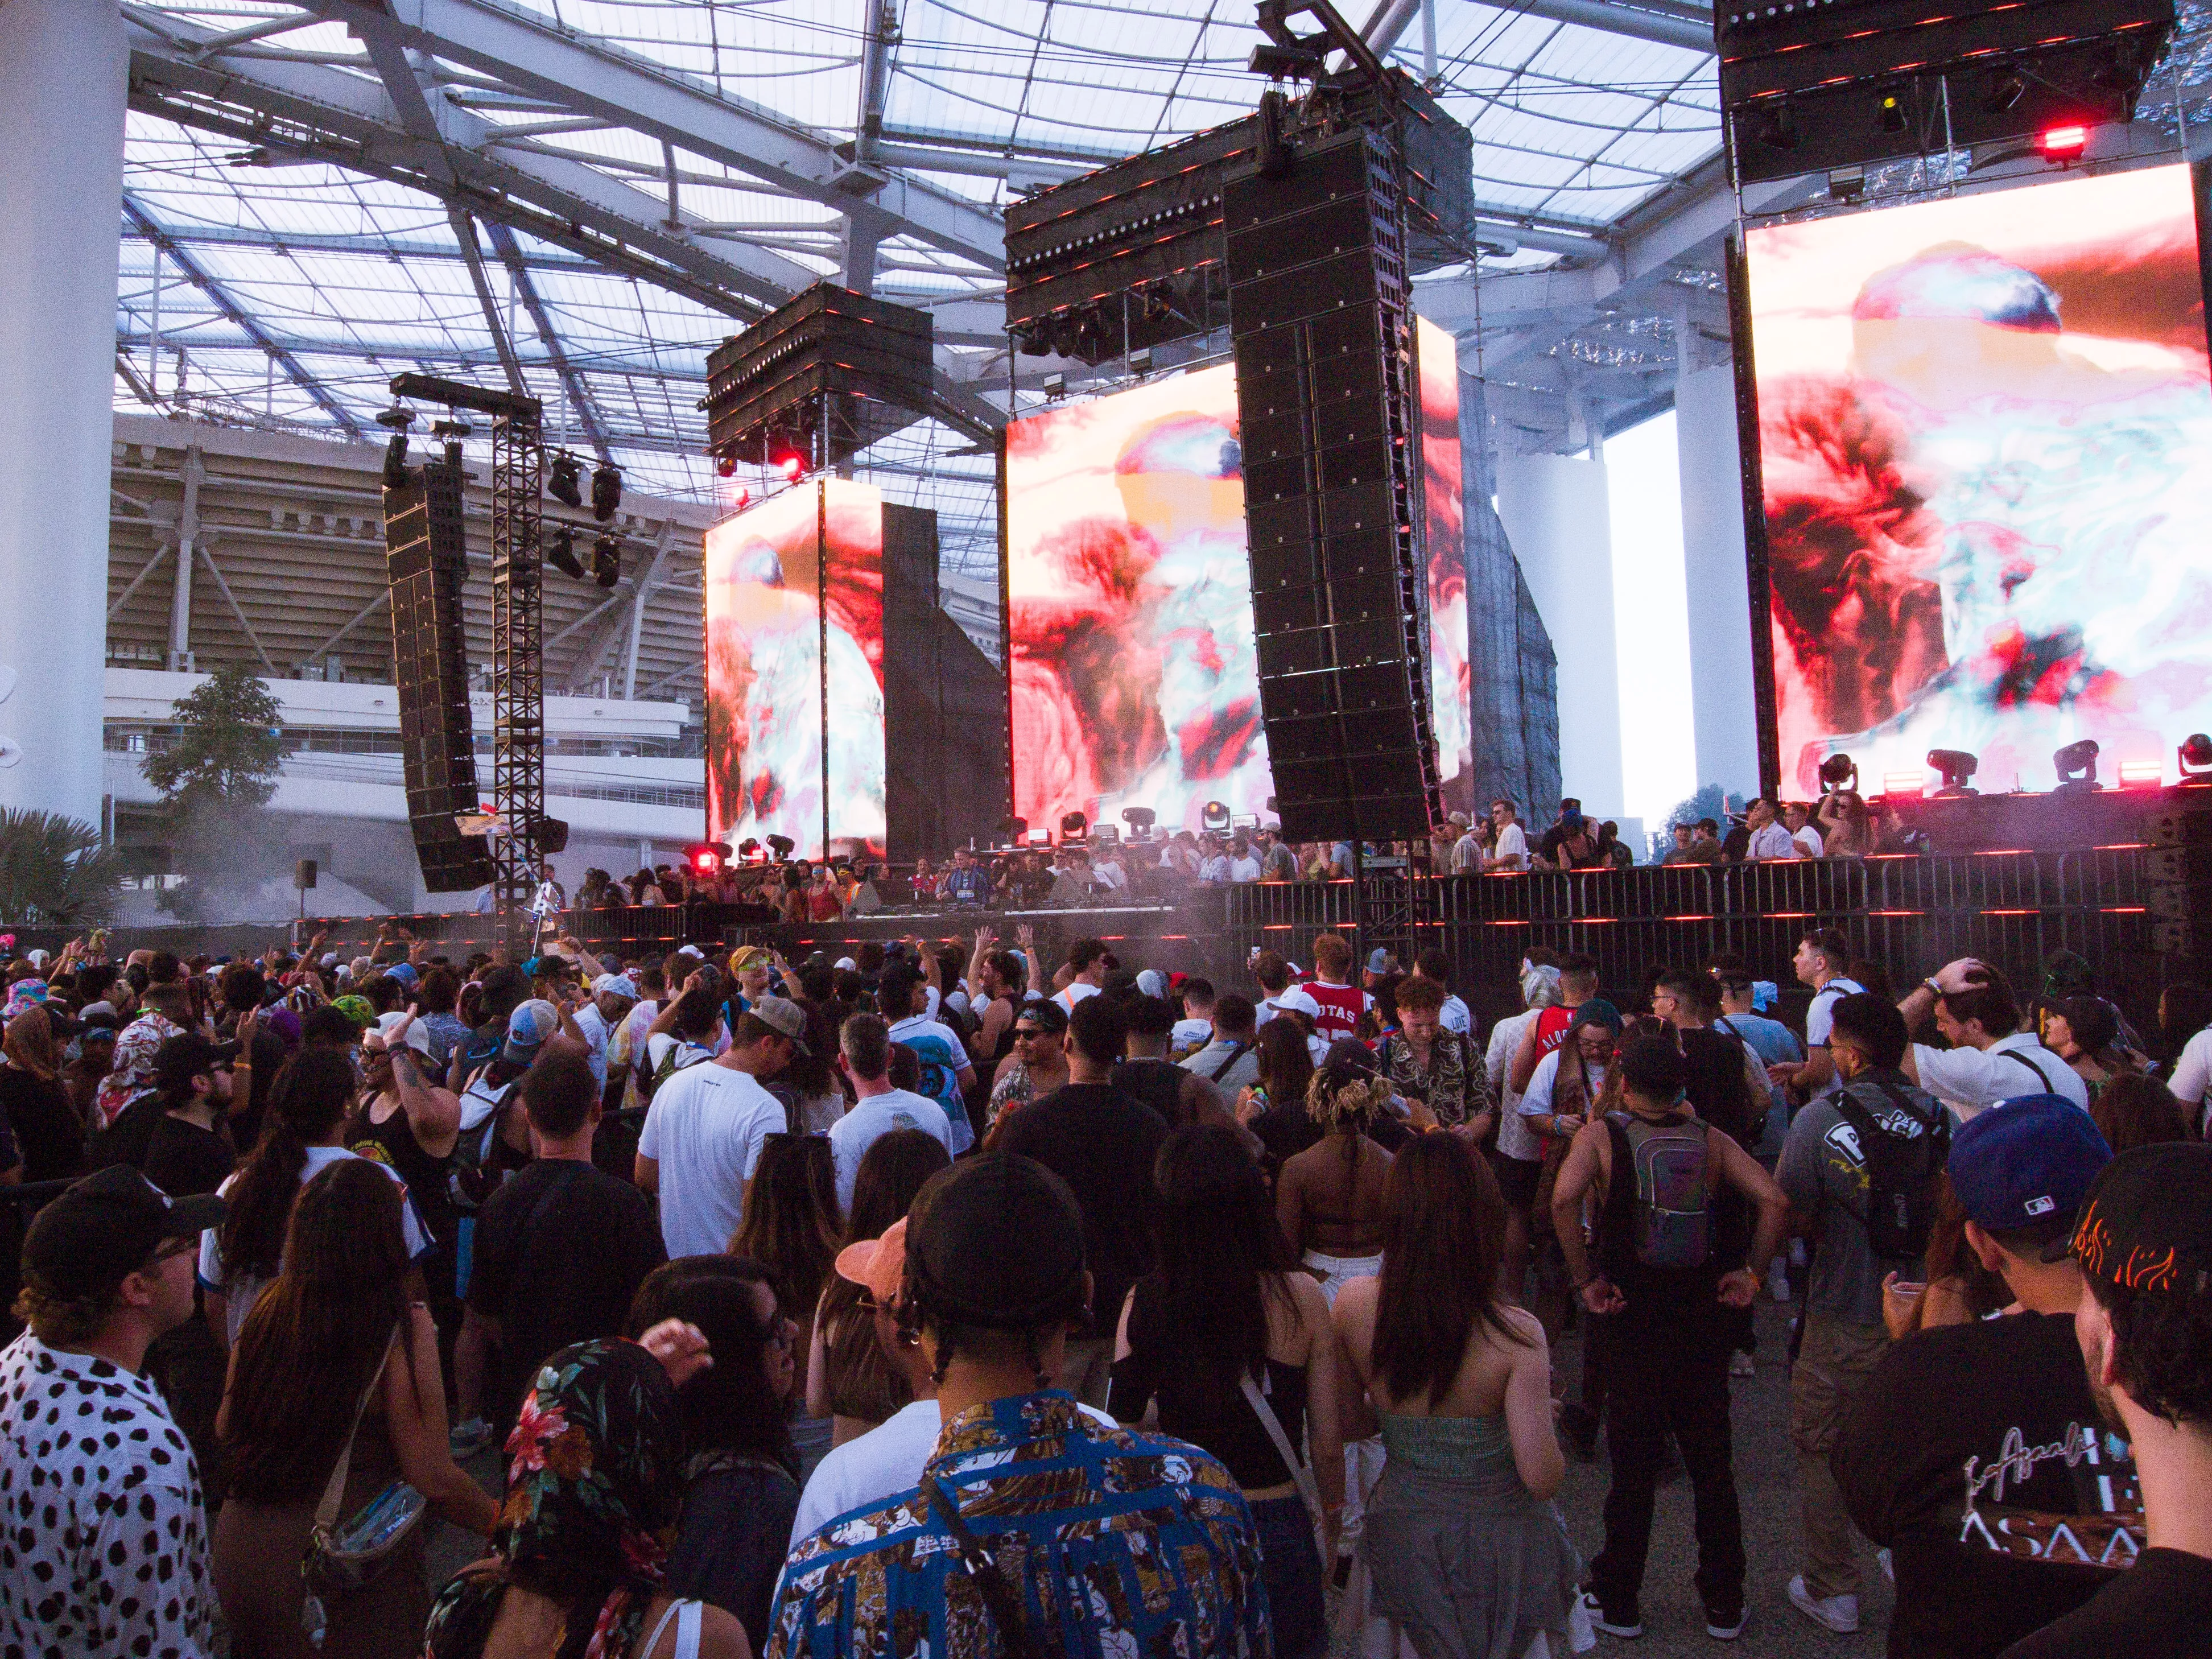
(1157,1083)
(394,1142)
(1158,1366)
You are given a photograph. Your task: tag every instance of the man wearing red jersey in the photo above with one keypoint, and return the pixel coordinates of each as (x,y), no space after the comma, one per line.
(1341,1002)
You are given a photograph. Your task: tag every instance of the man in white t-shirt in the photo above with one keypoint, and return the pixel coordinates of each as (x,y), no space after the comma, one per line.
(1433,963)
(1822,956)
(946,1071)
(865,1043)
(612,995)
(889,1459)
(1091,962)
(1798,821)
(704,1132)
(1991,1059)
(1511,852)
(1196,1029)
(1243,866)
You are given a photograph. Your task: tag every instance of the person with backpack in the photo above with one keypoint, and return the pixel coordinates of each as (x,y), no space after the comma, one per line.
(1658,1291)
(1861,1168)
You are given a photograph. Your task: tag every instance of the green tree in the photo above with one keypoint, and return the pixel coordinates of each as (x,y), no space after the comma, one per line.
(215,781)
(53,871)
(229,748)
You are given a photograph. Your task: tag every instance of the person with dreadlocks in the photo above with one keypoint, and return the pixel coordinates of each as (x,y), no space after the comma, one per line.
(1036,1530)
(594,1486)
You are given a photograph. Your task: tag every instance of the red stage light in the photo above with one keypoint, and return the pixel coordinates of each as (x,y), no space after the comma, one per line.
(793,468)
(726,465)
(2062,143)
(745,497)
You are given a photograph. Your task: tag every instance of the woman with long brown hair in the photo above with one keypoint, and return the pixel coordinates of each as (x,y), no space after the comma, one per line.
(336,1361)
(1233,1345)
(791,1225)
(848,1378)
(49,1129)
(1466,1553)
(1273,1107)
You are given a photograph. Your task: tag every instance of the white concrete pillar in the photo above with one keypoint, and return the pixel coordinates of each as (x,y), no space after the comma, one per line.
(1724,715)
(63,71)
(1553,508)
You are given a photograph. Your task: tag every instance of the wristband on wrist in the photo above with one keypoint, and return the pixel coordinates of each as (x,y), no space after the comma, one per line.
(1931,987)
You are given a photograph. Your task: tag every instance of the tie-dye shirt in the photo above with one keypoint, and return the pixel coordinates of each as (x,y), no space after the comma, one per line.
(1117,1542)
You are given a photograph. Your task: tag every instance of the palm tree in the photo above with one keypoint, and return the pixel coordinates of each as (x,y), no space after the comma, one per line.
(53,871)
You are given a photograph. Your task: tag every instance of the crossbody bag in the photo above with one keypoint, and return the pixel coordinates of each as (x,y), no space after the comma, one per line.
(344,1557)
(1301,1475)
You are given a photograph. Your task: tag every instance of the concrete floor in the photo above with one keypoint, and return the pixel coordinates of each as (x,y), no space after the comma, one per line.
(1674,1620)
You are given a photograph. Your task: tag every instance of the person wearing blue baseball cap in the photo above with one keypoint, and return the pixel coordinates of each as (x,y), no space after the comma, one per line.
(1975,1453)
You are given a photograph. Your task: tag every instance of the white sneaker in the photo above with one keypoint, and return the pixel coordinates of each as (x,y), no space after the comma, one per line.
(1779,1287)
(1840,1613)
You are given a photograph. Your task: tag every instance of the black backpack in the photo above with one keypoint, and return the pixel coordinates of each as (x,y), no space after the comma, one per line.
(1902,1151)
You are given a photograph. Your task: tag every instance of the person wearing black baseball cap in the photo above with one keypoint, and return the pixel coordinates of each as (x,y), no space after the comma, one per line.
(1027,1504)
(2144,1245)
(108,1267)
(1973,1451)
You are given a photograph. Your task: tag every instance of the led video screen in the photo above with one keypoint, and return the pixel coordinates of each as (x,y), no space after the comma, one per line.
(1134,680)
(1985,433)
(794,610)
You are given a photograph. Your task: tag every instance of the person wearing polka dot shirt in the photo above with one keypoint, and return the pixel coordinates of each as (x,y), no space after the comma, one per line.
(104,1552)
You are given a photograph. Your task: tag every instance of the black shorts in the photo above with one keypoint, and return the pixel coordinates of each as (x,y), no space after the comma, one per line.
(1517,1178)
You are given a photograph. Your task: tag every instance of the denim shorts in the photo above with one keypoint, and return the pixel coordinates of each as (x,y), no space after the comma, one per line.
(1295,1607)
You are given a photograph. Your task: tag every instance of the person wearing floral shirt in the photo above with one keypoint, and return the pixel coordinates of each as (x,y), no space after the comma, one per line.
(1437,1067)
(1035,1530)
(132,1073)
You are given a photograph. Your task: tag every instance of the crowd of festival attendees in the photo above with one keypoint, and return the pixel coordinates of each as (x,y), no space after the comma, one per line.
(948,1297)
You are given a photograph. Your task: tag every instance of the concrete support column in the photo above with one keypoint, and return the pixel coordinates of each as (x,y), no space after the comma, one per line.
(188,539)
(1555,514)
(1722,710)
(63,71)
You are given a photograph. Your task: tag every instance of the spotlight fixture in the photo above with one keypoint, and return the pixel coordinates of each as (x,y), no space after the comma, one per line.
(2063,144)
(726,465)
(1140,820)
(2141,774)
(1055,386)
(707,858)
(606,561)
(780,845)
(606,491)
(1891,108)
(1839,771)
(1072,826)
(747,849)
(1908,784)
(1215,816)
(2195,758)
(1846,184)
(742,498)
(1957,766)
(564,479)
(794,469)
(395,419)
(2006,89)
(1140,360)
(2076,765)
(561,553)
(1012,830)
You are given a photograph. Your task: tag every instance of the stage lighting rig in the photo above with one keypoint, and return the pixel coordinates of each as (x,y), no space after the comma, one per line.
(707,858)
(397,419)
(1014,830)
(1140,820)
(2076,765)
(1838,772)
(560,552)
(564,479)
(748,850)
(1956,766)
(1214,816)
(2195,758)
(606,561)
(606,491)
(1072,826)
(780,845)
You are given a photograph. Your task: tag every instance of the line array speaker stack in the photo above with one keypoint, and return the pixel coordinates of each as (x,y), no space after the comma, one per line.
(1321,321)
(426,556)
(1827,83)
(822,376)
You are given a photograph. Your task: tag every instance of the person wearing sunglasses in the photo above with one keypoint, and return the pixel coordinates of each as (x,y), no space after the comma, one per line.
(1037,1066)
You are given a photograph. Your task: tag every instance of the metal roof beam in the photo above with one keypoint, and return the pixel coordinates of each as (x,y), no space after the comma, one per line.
(533,53)
(1689,27)
(238,316)
(464,232)
(580,395)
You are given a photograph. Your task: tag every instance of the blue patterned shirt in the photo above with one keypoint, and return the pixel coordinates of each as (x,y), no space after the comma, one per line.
(1117,1542)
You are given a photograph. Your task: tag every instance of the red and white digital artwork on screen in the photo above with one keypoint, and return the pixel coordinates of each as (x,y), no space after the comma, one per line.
(1134,677)
(771,765)
(1985,430)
